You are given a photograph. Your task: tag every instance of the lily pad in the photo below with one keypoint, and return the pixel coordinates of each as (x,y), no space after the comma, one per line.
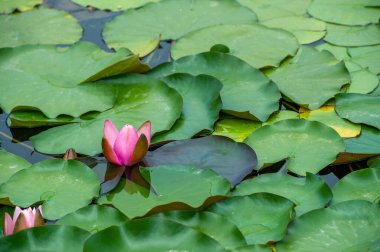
(201,105)
(359,108)
(244,87)
(362,81)
(46,238)
(346,12)
(209,224)
(253,248)
(140,30)
(39,76)
(306,29)
(150,234)
(63,186)
(337,228)
(280,116)
(367,56)
(172,186)
(311,77)
(317,196)
(138,100)
(236,129)
(231,160)
(368,142)
(308,146)
(260,217)
(358,185)
(115,5)
(44,26)
(374,162)
(256,44)
(353,35)
(328,116)
(94,218)
(10,164)
(9,6)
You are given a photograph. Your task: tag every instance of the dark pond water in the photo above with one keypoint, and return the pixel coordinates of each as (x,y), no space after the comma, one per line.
(93,21)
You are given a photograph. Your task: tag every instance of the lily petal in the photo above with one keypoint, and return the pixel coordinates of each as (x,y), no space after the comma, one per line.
(146,130)
(8,224)
(109,153)
(21,223)
(110,132)
(125,144)
(140,150)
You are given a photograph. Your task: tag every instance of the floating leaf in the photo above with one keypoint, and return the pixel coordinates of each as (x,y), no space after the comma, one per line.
(374,162)
(317,196)
(311,77)
(39,76)
(10,164)
(308,146)
(94,218)
(367,57)
(201,105)
(359,108)
(236,129)
(44,26)
(63,186)
(347,12)
(139,99)
(172,186)
(231,160)
(150,234)
(327,115)
(281,115)
(362,82)
(46,238)
(244,87)
(115,5)
(260,217)
(256,44)
(353,35)
(337,228)
(368,142)
(209,224)
(140,30)
(9,6)
(358,185)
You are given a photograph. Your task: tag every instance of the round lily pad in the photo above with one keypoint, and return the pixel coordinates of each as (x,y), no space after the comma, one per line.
(63,186)
(353,35)
(44,26)
(140,30)
(308,146)
(338,228)
(9,6)
(358,185)
(366,57)
(260,217)
(10,164)
(256,44)
(317,196)
(245,89)
(236,129)
(368,142)
(115,5)
(311,77)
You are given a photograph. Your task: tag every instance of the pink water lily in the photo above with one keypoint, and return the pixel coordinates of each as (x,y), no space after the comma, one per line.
(127,147)
(23,219)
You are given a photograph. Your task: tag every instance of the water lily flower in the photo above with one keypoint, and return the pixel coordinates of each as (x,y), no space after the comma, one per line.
(23,219)
(127,147)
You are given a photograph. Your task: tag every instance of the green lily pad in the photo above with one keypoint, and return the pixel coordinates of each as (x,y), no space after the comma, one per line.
(33,118)
(140,30)
(308,146)
(358,185)
(44,26)
(367,56)
(46,238)
(280,116)
(244,87)
(362,81)
(368,142)
(317,196)
(209,224)
(172,186)
(359,108)
(311,77)
(63,186)
(93,218)
(306,29)
(115,5)
(346,12)
(9,6)
(236,129)
(271,9)
(374,162)
(260,217)
(201,105)
(256,44)
(150,234)
(232,160)
(47,78)
(253,248)
(337,228)
(10,164)
(138,100)
(353,35)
